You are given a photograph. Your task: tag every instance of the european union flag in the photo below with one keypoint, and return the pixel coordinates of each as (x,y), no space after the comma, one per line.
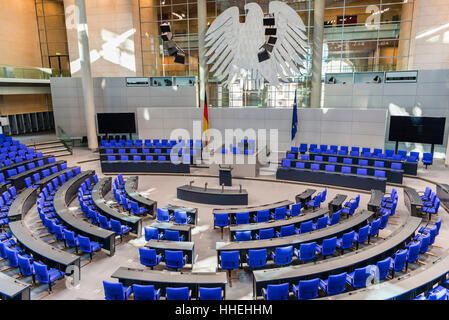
(294,119)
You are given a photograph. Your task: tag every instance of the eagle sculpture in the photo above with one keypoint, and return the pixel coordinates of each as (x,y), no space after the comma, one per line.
(233,46)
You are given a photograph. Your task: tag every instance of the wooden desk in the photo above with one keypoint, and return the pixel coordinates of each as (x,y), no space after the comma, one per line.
(164,279)
(337,203)
(131,185)
(184,229)
(187,248)
(375,202)
(191,212)
(13,289)
(98,192)
(413,202)
(304,197)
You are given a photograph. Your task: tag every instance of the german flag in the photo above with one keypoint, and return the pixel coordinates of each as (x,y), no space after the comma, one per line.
(206,119)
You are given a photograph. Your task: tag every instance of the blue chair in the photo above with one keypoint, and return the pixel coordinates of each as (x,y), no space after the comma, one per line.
(210,293)
(86,246)
(314,167)
(362,171)
(305,227)
(426,229)
(306,289)
(359,277)
(346,241)
(279,213)
(362,235)
(276,292)
(347,161)
(221,221)
(379,174)
(382,269)
(306,251)
(265,234)
(104,223)
(286,231)
(26,268)
(334,284)
(427,159)
(136,209)
(374,229)
(70,239)
(363,162)
(145,292)
(349,211)
(329,168)
(379,164)
(152,233)
(335,218)
(332,159)
(384,221)
(229,260)
(300,165)
(163,215)
(413,253)
(399,261)
(116,291)
(175,259)
(426,195)
(425,241)
(286,163)
(318,158)
(315,202)
(149,258)
(45,275)
(295,210)
(242,218)
(257,258)
(117,227)
(328,247)
(320,223)
(243,236)
(173,235)
(345,170)
(262,216)
(181,217)
(282,256)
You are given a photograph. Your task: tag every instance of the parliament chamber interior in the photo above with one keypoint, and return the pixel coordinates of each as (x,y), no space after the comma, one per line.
(224,150)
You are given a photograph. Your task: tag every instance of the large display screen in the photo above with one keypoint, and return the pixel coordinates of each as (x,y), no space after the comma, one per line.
(116,123)
(417,129)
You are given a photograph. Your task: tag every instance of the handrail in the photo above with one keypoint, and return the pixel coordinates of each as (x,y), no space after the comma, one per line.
(65,139)
(25,72)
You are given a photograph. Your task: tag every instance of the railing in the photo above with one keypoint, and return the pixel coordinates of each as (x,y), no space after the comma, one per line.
(65,139)
(25,72)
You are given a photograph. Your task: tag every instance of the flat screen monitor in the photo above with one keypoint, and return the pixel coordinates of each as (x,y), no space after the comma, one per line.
(116,123)
(427,130)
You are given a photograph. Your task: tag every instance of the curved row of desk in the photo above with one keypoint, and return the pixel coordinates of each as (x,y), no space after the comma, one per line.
(31,244)
(63,197)
(252,210)
(212,196)
(347,262)
(164,279)
(18,180)
(98,193)
(355,222)
(131,185)
(405,288)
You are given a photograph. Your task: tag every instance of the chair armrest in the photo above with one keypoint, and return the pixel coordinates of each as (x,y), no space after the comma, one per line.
(158,294)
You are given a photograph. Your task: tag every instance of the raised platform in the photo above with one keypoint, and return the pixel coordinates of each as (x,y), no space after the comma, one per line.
(143,166)
(334,179)
(212,196)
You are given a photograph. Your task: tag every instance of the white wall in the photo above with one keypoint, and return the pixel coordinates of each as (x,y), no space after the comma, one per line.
(429,96)
(111,95)
(327,126)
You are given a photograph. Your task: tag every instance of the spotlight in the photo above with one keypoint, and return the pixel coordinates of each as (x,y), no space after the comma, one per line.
(270,31)
(332,80)
(172,48)
(272,40)
(180,57)
(268,20)
(377,79)
(268,47)
(263,55)
(165,27)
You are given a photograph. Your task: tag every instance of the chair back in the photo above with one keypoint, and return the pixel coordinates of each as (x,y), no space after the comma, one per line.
(172,235)
(335,217)
(84,243)
(210,293)
(151,233)
(329,246)
(321,223)
(12,257)
(174,259)
(283,255)
(425,241)
(277,291)
(177,293)
(280,213)
(400,259)
(144,292)
(262,216)
(336,283)
(374,230)
(413,252)
(266,233)
(243,236)
(308,289)
(116,226)
(242,217)
(363,234)
(348,240)
(25,266)
(113,291)
(180,217)
(287,230)
(229,259)
(307,251)
(306,227)
(257,258)
(163,215)
(221,219)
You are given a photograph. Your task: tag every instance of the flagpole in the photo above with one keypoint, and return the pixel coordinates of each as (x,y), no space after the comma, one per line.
(297,142)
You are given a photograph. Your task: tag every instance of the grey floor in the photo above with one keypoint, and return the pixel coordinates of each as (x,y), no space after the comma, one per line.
(163,189)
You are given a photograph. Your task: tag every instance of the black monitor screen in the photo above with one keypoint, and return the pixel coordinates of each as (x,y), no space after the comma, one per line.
(116,123)
(417,129)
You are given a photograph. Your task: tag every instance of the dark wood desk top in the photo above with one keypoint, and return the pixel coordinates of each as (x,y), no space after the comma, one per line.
(254,209)
(316,235)
(413,196)
(170,277)
(212,191)
(376,198)
(131,185)
(280,223)
(37,246)
(297,272)
(306,194)
(171,226)
(170,245)
(338,200)
(11,287)
(24,201)
(98,192)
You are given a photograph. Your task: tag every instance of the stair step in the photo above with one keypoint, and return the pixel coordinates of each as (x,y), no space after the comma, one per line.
(43,143)
(61,153)
(54,150)
(49,146)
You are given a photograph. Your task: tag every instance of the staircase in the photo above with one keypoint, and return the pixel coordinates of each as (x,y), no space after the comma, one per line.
(56,148)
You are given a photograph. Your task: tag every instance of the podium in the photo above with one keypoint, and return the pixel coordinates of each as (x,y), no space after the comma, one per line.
(225,177)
